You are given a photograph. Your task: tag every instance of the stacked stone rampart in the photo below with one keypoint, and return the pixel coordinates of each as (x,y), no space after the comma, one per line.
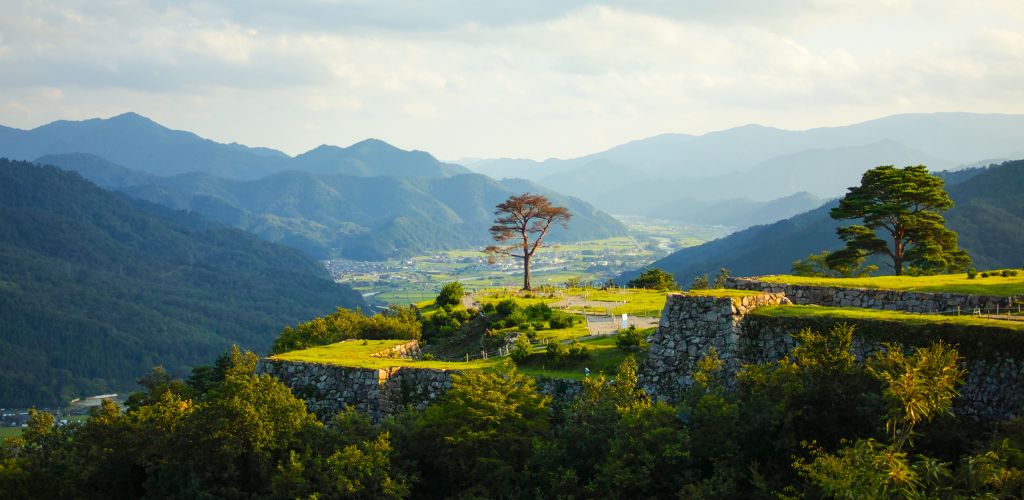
(378,392)
(692,325)
(868,298)
(381,392)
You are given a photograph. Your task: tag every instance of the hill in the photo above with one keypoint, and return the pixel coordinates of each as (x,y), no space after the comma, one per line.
(764,163)
(988,216)
(141,144)
(96,288)
(331,215)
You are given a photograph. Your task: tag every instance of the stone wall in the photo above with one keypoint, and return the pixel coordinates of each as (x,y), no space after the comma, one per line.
(995,374)
(690,327)
(381,392)
(916,302)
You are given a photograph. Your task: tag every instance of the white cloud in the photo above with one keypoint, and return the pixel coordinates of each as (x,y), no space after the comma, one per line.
(532,78)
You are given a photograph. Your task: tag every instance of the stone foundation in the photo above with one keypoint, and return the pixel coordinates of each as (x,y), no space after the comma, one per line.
(915,302)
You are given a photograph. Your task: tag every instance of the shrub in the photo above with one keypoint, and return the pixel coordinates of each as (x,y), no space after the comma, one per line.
(428,357)
(1009,272)
(972,273)
(629,338)
(521,350)
(451,294)
(700,283)
(562,320)
(720,278)
(578,351)
(555,351)
(489,308)
(516,318)
(537,325)
(654,279)
(984,275)
(539,311)
(506,307)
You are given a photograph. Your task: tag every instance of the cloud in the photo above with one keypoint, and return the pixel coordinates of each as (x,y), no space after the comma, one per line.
(530,78)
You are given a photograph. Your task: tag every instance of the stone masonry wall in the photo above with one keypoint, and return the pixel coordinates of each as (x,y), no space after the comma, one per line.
(690,327)
(381,392)
(916,302)
(991,390)
(327,389)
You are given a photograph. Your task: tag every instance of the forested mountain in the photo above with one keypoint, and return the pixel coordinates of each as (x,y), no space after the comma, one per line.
(366,218)
(988,216)
(96,288)
(141,144)
(765,163)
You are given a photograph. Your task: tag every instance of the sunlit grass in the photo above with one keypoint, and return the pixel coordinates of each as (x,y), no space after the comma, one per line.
(943,283)
(789,311)
(357,354)
(604,357)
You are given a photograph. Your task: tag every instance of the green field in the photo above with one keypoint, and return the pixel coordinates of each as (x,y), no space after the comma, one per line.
(942,283)
(605,357)
(10,432)
(854,313)
(356,354)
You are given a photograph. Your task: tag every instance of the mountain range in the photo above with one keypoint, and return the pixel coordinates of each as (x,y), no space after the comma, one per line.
(141,144)
(332,215)
(988,216)
(97,287)
(765,163)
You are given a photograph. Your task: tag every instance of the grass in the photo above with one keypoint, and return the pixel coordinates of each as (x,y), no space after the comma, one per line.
(723,292)
(942,283)
(854,313)
(356,354)
(605,357)
(10,432)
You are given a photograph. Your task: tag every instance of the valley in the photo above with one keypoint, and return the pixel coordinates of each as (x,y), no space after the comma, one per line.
(416,279)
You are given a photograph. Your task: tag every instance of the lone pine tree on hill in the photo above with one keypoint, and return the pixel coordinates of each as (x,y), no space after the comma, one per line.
(904,203)
(518,219)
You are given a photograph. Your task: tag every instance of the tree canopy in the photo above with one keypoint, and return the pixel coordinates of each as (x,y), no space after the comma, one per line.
(520,218)
(906,205)
(655,279)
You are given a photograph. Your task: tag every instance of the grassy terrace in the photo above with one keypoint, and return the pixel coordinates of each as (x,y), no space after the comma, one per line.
(943,283)
(604,357)
(357,354)
(853,313)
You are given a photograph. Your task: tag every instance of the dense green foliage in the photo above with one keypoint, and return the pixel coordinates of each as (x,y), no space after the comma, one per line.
(655,279)
(329,214)
(905,205)
(817,265)
(95,288)
(396,322)
(450,295)
(814,424)
(988,218)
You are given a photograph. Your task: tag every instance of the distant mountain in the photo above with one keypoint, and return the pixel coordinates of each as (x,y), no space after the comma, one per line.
(988,216)
(364,218)
(764,163)
(141,144)
(96,288)
(738,212)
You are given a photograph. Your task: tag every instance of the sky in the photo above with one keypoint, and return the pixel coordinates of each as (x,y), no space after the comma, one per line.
(525,78)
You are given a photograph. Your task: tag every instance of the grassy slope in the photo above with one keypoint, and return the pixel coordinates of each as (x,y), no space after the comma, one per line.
(356,354)
(943,283)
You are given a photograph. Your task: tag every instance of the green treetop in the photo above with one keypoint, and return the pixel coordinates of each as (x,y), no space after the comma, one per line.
(905,204)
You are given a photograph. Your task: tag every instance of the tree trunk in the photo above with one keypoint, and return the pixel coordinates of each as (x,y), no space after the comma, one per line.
(526,272)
